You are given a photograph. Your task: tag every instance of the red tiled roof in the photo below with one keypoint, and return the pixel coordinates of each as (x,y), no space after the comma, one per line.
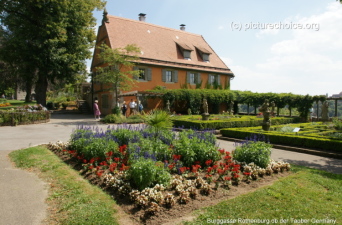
(159,44)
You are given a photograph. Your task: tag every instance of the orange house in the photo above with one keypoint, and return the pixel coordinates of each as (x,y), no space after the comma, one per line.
(170,58)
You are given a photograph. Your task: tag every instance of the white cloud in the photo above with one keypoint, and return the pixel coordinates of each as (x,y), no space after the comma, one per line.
(310,61)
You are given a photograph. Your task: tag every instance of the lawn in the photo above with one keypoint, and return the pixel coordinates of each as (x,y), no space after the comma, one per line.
(72,200)
(309,194)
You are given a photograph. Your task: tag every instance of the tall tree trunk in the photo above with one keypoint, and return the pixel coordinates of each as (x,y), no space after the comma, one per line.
(41,88)
(28,89)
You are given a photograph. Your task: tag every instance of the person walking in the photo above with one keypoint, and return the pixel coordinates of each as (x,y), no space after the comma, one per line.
(132,107)
(124,108)
(140,106)
(97,112)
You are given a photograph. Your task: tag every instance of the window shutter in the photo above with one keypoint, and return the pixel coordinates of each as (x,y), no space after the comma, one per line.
(198,78)
(218,79)
(188,77)
(136,76)
(164,75)
(175,76)
(149,74)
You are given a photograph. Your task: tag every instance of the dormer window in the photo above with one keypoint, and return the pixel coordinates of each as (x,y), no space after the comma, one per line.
(204,53)
(186,54)
(185,49)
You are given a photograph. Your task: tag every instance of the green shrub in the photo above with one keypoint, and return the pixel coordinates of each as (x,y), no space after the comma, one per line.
(246,121)
(116,111)
(114,118)
(310,136)
(98,147)
(152,148)
(196,146)
(145,173)
(253,151)
(337,123)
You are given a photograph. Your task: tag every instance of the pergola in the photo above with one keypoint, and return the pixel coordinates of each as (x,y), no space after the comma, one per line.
(335,99)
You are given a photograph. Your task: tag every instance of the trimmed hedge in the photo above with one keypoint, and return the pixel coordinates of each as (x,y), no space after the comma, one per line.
(309,140)
(8,118)
(246,121)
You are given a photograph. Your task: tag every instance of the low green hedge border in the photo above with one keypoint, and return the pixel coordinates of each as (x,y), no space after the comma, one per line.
(309,141)
(246,121)
(8,118)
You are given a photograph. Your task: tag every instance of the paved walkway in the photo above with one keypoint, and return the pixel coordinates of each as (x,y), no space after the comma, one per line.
(22,194)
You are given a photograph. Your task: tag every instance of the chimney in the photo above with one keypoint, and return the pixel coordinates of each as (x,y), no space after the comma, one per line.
(142,17)
(182,27)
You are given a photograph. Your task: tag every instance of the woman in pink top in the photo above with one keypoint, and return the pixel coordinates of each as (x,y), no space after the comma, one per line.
(97,112)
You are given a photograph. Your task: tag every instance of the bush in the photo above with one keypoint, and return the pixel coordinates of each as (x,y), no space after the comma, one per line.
(98,147)
(246,121)
(196,146)
(145,173)
(337,123)
(309,136)
(253,151)
(114,118)
(154,149)
(13,118)
(116,111)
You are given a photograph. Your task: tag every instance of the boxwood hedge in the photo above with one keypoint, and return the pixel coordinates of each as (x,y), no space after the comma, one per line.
(246,121)
(305,139)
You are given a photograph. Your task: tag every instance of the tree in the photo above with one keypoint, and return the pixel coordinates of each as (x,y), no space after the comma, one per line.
(117,67)
(50,37)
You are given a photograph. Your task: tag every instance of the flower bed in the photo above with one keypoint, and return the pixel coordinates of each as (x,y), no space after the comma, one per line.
(24,115)
(157,173)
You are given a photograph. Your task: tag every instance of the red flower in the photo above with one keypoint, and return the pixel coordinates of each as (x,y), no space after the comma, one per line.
(246,174)
(227,157)
(221,151)
(113,166)
(176,157)
(195,168)
(99,173)
(227,153)
(84,161)
(109,153)
(227,178)
(171,166)
(208,162)
(220,172)
(116,159)
(91,161)
(183,169)
(91,167)
(209,169)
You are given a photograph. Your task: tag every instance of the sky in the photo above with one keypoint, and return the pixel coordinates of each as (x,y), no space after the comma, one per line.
(271,46)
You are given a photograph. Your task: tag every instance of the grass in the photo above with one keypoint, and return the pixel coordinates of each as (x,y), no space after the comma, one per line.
(73,199)
(307,194)
(16,103)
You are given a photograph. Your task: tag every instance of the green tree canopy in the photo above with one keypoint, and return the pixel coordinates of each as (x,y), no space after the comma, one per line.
(50,39)
(117,69)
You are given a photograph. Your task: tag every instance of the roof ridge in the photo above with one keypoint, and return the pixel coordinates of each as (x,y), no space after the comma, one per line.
(154,25)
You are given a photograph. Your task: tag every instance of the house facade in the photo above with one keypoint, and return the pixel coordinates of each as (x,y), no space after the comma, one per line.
(169,58)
